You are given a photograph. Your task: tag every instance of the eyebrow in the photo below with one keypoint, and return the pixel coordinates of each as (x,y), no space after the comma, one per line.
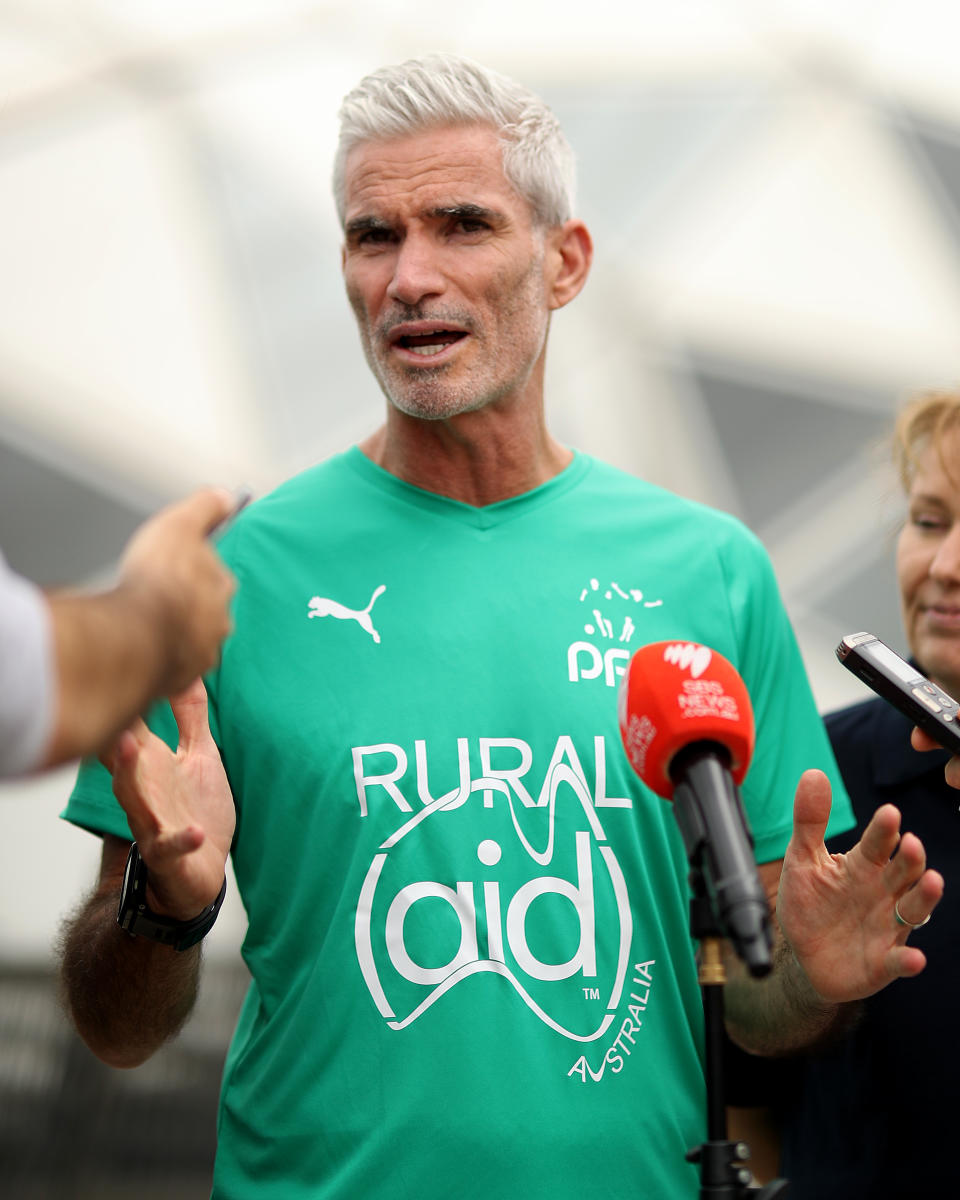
(365,225)
(927,498)
(476,212)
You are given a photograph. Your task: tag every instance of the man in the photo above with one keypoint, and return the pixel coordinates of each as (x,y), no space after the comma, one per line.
(77,667)
(472,970)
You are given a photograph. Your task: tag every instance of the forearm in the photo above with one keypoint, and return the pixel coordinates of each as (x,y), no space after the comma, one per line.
(782,1013)
(126,995)
(109,656)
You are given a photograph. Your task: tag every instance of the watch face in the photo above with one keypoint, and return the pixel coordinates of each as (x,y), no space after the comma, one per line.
(134,882)
(133,885)
(134,914)
(127,873)
(125,912)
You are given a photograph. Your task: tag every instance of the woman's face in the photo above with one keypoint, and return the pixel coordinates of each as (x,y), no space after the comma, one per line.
(928,564)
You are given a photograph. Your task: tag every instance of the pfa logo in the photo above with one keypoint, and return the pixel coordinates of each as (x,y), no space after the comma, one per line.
(547,915)
(609,620)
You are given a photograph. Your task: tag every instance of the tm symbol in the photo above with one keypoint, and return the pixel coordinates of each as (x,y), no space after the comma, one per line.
(591,993)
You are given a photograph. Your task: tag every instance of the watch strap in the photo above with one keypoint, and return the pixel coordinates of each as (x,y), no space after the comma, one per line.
(137,918)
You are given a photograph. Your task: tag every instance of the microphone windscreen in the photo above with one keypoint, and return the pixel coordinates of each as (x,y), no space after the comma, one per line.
(674,694)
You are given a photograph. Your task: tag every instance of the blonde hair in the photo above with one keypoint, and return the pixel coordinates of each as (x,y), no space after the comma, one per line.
(925,421)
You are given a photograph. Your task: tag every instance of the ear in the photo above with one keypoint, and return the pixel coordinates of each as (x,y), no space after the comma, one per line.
(568,257)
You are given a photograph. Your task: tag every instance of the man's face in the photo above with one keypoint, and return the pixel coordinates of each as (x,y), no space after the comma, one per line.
(445,272)
(928,566)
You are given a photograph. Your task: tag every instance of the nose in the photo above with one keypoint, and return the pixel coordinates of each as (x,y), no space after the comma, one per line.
(945,567)
(416,272)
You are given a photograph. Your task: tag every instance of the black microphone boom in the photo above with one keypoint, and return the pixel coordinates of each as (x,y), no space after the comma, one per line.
(719,845)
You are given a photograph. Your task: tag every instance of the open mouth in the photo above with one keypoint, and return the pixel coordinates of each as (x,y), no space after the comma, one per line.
(428,344)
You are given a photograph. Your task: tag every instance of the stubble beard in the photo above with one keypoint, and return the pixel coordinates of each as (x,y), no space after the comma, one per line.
(426,392)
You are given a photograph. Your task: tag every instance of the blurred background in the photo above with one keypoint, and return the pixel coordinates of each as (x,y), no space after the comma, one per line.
(774,191)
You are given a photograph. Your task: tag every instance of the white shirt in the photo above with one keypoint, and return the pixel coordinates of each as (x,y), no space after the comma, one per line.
(27,676)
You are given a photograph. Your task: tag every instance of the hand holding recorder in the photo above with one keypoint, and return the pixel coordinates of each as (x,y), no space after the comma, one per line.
(172,571)
(936,715)
(114,652)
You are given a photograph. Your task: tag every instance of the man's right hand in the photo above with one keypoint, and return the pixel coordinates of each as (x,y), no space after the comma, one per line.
(173,570)
(179,806)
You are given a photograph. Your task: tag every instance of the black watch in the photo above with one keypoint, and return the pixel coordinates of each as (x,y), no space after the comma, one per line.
(136,917)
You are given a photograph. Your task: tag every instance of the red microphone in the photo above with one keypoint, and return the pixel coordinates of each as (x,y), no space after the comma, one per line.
(687,727)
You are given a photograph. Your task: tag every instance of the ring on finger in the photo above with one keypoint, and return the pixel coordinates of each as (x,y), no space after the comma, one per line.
(908,924)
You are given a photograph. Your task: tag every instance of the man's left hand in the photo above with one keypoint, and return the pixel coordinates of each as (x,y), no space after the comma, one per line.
(847,916)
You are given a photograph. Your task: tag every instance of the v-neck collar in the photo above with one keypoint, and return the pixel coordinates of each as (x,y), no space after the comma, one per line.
(483,517)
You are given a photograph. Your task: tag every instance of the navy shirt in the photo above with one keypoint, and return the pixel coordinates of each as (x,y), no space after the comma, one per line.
(878,1115)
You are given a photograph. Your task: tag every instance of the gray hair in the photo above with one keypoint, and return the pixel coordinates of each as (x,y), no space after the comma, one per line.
(442,89)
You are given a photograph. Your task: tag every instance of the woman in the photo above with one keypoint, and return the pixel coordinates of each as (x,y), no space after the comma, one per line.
(875,1115)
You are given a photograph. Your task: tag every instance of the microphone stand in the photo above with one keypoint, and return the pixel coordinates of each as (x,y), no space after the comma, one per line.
(723,1175)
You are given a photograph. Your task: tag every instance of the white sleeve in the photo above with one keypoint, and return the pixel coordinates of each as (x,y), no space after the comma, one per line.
(27,674)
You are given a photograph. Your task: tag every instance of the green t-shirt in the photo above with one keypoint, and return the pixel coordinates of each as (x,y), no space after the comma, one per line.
(472,972)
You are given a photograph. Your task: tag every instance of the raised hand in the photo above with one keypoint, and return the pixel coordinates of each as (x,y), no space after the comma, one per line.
(171,569)
(839,911)
(179,806)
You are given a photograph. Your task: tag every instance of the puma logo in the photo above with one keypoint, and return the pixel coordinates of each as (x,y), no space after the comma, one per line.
(320,606)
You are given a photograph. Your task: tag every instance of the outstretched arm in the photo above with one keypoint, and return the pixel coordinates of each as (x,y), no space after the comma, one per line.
(844,920)
(127,994)
(116,651)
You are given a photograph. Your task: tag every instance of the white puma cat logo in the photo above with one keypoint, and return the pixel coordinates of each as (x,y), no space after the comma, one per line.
(320,606)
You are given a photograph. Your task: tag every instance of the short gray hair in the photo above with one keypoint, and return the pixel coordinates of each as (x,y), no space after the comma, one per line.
(441,90)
